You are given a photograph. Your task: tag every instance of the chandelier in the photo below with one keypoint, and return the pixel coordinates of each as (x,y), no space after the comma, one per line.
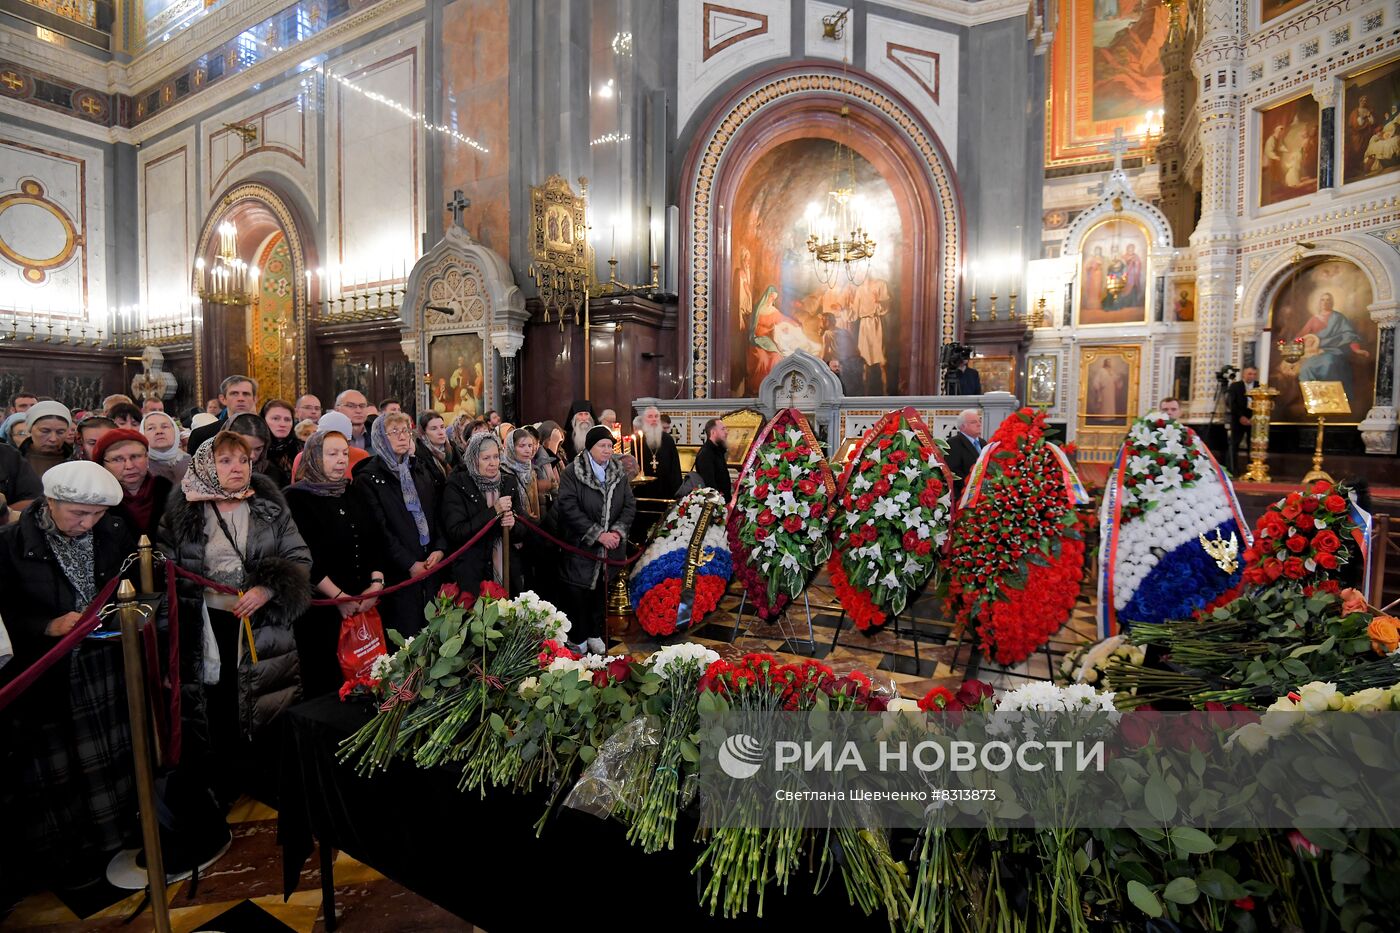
(230,280)
(837,235)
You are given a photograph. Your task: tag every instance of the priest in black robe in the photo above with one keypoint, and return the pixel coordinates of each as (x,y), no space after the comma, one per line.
(576,427)
(658,458)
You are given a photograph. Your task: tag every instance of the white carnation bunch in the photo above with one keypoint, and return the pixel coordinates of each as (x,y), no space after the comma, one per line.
(673,659)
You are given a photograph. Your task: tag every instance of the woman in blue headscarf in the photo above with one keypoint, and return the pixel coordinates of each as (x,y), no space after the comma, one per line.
(7,430)
(398,490)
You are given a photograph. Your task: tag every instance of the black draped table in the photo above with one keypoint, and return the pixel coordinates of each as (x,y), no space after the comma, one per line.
(480,858)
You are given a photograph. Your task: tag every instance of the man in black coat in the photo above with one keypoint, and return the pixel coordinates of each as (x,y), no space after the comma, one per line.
(238,394)
(964,447)
(711,459)
(19,484)
(969,380)
(1238,404)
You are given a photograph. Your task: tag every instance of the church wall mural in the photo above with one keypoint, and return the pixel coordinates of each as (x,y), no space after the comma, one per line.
(1288,154)
(1106,74)
(1113,274)
(1108,386)
(1371,134)
(1324,305)
(1273,9)
(455,376)
(272,323)
(778,302)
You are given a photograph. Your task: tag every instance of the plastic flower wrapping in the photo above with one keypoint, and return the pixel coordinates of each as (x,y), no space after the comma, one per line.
(1173,532)
(685,569)
(777,527)
(891,518)
(1017,551)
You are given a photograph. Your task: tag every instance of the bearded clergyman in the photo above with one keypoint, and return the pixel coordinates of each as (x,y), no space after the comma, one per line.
(658,458)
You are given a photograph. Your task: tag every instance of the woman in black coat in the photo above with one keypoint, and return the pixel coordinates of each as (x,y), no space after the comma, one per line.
(347,555)
(231,525)
(66,782)
(398,491)
(596,512)
(477,491)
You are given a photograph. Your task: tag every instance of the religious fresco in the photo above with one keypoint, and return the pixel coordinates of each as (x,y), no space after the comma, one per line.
(1106,74)
(272,322)
(1371,132)
(456,385)
(1113,274)
(1325,305)
(1288,149)
(1181,300)
(1108,378)
(778,303)
(1273,9)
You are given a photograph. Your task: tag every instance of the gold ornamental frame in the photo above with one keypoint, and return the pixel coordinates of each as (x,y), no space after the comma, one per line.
(1148,285)
(561,262)
(1132,356)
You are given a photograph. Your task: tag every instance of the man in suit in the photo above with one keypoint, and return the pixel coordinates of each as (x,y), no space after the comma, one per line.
(969,381)
(964,447)
(1238,404)
(710,459)
(237,394)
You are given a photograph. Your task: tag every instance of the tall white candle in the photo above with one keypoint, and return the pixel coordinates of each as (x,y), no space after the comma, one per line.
(1266,346)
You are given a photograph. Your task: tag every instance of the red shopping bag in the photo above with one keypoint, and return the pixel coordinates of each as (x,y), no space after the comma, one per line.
(361,641)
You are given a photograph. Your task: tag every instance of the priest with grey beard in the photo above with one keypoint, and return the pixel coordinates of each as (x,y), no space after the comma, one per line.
(576,427)
(658,458)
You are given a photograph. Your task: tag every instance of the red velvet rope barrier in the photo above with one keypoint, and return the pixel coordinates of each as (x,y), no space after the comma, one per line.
(89,620)
(81,629)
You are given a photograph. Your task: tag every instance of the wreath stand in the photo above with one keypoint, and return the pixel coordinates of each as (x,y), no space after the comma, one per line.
(811,636)
(914,634)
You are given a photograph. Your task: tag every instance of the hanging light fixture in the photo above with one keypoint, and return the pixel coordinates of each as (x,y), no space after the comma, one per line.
(837,235)
(1115,282)
(230,280)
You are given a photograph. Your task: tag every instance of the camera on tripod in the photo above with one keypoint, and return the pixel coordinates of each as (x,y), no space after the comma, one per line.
(954,355)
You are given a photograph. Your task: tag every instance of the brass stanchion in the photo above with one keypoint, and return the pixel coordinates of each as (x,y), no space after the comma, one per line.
(145,553)
(505,559)
(131,614)
(1261,406)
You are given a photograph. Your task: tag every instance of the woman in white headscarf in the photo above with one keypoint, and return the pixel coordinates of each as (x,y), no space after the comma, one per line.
(163,437)
(67,781)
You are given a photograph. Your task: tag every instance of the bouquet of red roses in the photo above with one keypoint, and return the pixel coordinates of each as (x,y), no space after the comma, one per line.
(777,529)
(1017,553)
(1306,538)
(891,518)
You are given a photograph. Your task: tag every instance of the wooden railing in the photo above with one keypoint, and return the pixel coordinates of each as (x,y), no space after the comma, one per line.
(1385,556)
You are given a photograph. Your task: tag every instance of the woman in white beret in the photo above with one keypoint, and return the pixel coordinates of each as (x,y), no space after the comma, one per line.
(68,787)
(48,444)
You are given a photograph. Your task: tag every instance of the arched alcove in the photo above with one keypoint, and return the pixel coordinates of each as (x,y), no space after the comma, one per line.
(796,112)
(268,339)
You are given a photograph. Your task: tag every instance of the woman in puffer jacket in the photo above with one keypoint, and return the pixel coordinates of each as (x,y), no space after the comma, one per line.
(232,526)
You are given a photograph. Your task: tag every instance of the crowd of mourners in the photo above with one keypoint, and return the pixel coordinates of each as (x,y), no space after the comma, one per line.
(281,503)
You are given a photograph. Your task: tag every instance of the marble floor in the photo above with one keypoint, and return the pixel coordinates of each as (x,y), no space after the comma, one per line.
(242,892)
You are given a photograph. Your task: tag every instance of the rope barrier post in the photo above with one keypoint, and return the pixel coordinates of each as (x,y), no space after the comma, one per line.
(505,559)
(145,555)
(131,614)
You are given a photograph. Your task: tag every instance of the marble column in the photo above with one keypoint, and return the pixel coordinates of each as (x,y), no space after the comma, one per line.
(1216,64)
(1325,94)
(1379,429)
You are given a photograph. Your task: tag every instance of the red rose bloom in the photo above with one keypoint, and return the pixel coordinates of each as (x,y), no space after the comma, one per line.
(1326,560)
(619,669)
(1297,543)
(923,547)
(1310,505)
(911,540)
(1272,568)
(939,698)
(864,503)
(761,491)
(1321,487)
(880,488)
(785,485)
(600,678)
(1306,521)
(760,534)
(766,518)
(1335,503)
(1293,569)
(1291,511)
(792,524)
(807,487)
(1327,540)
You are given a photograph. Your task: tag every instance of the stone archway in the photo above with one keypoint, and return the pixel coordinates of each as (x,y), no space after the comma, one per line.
(807,100)
(267,340)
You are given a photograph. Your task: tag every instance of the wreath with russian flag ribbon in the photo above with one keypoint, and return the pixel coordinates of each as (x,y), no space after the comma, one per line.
(1172,529)
(685,569)
(1309,538)
(890,520)
(1016,556)
(777,524)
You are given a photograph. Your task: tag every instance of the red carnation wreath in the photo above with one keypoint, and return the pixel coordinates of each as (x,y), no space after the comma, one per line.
(777,525)
(890,518)
(1016,558)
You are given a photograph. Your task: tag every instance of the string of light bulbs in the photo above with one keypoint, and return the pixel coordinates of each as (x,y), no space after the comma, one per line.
(413,115)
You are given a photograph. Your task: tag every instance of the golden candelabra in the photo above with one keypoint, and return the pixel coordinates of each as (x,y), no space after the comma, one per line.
(973,315)
(379,304)
(994,307)
(230,280)
(29,332)
(1261,406)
